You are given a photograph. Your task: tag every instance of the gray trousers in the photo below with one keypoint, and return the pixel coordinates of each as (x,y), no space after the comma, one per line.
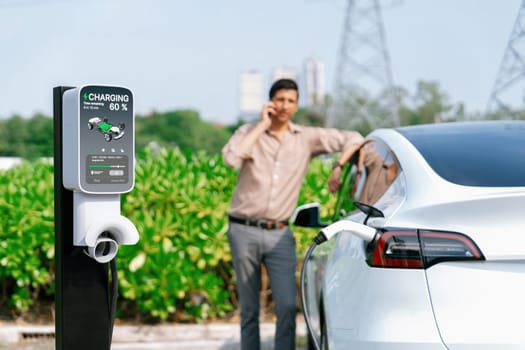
(251,247)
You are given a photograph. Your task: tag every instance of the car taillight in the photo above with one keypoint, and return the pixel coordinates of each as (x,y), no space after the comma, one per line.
(420,248)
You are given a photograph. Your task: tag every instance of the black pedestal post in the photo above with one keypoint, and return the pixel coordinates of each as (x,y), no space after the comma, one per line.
(82,304)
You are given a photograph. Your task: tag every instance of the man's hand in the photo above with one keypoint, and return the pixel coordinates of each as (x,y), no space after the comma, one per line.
(334,181)
(266,112)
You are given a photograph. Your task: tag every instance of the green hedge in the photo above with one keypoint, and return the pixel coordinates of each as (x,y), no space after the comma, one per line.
(181,268)
(27,234)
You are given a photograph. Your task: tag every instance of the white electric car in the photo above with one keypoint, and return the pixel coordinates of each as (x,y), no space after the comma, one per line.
(435,256)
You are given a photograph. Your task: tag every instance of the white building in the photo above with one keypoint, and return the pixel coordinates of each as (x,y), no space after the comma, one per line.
(314,82)
(251,94)
(9,162)
(283,73)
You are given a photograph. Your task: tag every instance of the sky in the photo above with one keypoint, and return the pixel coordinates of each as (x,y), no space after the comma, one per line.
(188,54)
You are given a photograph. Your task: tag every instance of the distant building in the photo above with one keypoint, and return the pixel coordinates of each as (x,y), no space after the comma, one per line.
(9,162)
(283,73)
(251,95)
(311,82)
(314,82)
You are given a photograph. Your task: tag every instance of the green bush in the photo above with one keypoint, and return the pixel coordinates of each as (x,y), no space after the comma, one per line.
(181,268)
(26,234)
(179,205)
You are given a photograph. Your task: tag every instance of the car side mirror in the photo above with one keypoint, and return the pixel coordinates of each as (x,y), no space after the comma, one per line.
(308,215)
(370,211)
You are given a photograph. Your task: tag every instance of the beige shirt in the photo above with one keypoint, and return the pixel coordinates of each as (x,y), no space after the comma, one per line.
(272,172)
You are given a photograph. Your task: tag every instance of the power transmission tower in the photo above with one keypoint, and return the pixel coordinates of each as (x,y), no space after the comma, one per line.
(510,81)
(364,96)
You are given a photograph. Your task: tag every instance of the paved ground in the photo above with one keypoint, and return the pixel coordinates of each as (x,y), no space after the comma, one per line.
(173,337)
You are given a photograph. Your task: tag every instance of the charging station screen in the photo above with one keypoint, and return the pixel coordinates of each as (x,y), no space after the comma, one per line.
(106,139)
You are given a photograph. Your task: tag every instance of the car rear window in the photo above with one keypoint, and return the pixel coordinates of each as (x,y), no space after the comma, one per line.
(488,154)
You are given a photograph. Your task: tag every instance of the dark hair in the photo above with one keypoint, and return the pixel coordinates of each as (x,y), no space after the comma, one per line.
(283,84)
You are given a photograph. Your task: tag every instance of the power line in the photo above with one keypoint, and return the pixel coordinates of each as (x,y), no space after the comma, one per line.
(364,94)
(510,81)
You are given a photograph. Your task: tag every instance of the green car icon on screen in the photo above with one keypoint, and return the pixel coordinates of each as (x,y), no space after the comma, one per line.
(110,131)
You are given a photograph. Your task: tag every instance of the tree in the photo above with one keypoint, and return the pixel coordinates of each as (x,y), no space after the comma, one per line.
(16,137)
(27,138)
(310,117)
(39,142)
(181,128)
(432,105)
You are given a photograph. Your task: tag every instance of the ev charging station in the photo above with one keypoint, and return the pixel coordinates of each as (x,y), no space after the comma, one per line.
(94,163)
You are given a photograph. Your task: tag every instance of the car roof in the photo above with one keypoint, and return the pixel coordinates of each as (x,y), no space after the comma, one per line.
(481,153)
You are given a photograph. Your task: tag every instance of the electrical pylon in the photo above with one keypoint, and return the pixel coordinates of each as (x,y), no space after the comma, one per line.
(364,95)
(508,92)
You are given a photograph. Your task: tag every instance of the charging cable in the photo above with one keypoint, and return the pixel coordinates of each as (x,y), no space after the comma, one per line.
(114,297)
(362,231)
(303,296)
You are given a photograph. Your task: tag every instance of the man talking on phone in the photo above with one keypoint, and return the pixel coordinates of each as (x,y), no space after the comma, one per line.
(273,155)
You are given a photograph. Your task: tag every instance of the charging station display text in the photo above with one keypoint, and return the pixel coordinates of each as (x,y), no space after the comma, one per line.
(106,137)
